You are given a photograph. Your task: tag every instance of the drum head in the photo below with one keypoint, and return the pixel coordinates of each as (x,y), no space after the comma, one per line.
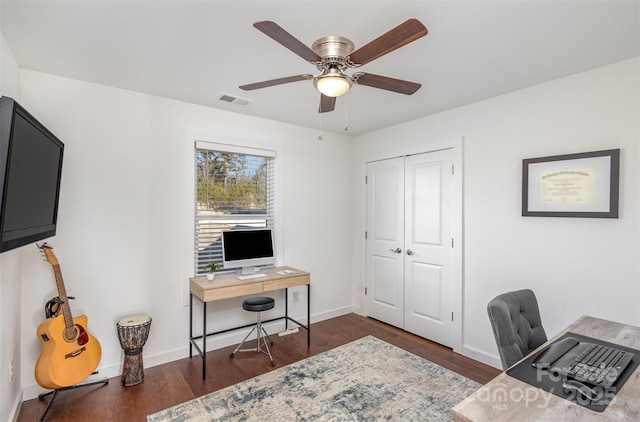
(133,320)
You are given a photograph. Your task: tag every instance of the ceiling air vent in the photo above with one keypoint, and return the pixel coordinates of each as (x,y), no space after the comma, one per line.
(235,100)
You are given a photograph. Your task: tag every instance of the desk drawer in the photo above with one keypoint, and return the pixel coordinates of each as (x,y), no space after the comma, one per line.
(285,282)
(232,291)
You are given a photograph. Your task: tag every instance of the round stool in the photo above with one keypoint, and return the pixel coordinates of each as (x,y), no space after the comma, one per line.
(257,305)
(133,331)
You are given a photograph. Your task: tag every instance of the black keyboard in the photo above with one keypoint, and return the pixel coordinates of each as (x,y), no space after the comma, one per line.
(598,365)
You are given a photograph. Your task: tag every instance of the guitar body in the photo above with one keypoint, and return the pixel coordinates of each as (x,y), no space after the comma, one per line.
(68,356)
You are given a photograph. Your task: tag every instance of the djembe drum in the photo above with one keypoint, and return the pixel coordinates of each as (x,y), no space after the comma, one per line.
(133,331)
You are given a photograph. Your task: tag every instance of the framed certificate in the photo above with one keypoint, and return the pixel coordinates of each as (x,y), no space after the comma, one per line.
(573,185)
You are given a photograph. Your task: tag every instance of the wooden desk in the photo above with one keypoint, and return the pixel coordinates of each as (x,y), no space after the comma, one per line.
(227,285)
(507,399)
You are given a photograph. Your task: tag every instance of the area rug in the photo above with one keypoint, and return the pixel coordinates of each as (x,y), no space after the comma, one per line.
(367,379)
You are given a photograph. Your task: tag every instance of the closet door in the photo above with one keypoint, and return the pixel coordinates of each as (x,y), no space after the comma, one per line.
(428,255)
(409,250)
(385,241)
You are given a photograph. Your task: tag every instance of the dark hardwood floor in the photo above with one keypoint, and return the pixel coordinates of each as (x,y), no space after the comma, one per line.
(175,382)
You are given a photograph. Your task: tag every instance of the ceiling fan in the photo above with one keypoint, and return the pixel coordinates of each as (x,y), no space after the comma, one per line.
(333,55)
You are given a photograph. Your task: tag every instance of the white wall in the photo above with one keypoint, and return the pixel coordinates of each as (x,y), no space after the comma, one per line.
(10,392)
(556,257)
(120,227)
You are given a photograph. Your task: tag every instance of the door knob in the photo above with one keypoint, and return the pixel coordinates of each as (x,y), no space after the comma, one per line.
(409,252)
(396,250)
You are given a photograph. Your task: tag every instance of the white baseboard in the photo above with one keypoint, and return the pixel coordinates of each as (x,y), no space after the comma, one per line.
(333,313)
(34,390)
(234,337)
(15,408)
(480,356)
(216,342)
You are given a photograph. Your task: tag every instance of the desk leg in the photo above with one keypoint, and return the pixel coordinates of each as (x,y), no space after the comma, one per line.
(286,308)
(204,340)
(190,325)
(308,315)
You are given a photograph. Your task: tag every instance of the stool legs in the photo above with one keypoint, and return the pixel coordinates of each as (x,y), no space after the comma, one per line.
(261,339)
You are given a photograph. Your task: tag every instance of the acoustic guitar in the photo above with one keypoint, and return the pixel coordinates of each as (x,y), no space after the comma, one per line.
(69,353)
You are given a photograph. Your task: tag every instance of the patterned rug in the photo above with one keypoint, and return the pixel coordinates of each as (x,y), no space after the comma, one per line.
(367,379)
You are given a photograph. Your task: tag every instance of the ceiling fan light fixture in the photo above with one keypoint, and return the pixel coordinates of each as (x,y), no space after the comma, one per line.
(333,55)
(333,83)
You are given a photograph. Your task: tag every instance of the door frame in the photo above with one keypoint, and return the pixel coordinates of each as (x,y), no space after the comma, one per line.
(457,145)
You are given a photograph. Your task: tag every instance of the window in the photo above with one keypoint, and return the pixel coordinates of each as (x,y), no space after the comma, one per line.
(234,189)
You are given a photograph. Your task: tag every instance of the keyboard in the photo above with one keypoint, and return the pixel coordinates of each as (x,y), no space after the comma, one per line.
(598,365)
(251,276)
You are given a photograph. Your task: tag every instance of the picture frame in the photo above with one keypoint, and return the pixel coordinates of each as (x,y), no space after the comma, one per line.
(584,184)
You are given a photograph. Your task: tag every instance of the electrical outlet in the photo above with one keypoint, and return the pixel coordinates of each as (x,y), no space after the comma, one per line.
(296,296)
(11,371)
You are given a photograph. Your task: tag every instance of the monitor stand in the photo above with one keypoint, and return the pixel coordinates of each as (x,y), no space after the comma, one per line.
(249,270)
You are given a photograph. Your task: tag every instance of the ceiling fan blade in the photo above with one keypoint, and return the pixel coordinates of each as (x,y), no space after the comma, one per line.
(326,104)
(272,82)
(385,82)
(402,34)
(275,31)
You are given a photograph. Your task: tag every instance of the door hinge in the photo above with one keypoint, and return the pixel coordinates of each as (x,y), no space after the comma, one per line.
(453,169)
(365,291)
(451,316)
(366,179)
(452,242)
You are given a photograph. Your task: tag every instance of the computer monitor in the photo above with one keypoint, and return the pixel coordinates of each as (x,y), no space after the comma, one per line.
(248,248)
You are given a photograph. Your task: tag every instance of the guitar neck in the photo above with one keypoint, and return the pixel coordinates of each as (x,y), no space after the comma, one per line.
(62,294)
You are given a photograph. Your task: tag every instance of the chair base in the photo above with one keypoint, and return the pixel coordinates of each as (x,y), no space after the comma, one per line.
(262,345)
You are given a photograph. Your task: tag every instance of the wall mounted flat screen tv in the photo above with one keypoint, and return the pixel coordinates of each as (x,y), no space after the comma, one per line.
(30,171)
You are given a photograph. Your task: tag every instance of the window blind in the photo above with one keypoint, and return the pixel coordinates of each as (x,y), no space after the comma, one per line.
(234,189)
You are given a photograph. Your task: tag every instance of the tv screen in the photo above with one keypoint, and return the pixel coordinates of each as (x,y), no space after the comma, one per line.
(30,171)
(247,248)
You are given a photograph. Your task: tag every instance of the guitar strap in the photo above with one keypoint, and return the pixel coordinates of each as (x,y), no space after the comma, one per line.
(53,307)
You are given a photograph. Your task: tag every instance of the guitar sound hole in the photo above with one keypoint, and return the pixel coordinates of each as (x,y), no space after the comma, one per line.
(70,333)
(77,332)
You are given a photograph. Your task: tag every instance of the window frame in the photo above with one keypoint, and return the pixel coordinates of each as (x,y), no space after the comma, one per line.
(239,146)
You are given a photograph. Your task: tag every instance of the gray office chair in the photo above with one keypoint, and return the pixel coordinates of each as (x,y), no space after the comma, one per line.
(517,326)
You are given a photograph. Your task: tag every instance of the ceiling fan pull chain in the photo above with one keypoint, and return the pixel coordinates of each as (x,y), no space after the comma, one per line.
(346,113)
(320,133)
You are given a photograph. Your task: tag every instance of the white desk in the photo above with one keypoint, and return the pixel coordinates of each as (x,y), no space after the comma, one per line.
(507,399)
(227,285)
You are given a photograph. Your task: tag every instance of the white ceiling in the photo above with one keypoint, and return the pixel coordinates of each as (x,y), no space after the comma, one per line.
(196,51)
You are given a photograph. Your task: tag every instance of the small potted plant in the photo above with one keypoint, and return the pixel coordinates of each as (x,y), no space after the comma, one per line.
(210,268)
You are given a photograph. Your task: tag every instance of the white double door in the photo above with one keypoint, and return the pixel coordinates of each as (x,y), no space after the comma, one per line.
(410,244)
